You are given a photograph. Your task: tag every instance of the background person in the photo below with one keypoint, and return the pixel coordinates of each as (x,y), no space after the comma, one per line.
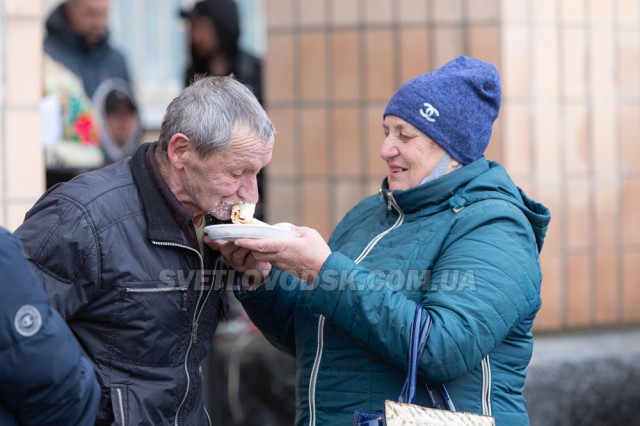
(445,212)
(78,58)
(213,42)
(121,130)
(214,29)
(214,32)
(78,38)
(120,253)
(46,380)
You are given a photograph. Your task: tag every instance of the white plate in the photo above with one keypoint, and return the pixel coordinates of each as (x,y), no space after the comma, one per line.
(231,232)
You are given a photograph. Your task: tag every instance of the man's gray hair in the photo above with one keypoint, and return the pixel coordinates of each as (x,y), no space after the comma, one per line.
(209,110)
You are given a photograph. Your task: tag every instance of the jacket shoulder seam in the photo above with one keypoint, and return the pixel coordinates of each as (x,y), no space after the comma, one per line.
(87,216)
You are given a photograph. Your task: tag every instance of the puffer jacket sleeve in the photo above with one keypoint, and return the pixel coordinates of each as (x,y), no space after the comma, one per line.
(484,283)
(272,307)
(60,240)
(45,378)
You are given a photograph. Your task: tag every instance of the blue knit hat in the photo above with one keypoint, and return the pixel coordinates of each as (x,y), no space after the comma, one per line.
(454,105)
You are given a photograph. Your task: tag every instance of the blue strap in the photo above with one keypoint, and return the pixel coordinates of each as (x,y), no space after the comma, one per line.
(418,341)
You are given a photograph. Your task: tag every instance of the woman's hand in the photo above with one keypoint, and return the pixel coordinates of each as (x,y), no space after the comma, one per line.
(301,257)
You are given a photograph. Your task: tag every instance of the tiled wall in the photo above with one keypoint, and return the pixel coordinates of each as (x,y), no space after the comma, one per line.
(21,158)
(568,131)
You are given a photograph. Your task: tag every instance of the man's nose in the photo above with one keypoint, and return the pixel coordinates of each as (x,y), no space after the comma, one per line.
(248,190)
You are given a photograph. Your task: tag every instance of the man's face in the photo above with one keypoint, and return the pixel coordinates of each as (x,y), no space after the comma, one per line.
(89,18)
(204,38)
(214,184)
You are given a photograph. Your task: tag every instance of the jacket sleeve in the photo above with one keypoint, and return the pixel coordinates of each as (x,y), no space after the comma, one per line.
(485,281)
(60,240)
(45,378)
(272,308)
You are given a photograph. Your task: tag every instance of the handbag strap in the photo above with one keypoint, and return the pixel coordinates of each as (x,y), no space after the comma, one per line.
(418,341)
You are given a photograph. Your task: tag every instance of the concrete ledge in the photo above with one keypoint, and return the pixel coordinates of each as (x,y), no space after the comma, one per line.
(585,379)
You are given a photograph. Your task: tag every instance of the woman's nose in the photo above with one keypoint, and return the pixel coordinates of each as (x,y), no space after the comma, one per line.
(388,149)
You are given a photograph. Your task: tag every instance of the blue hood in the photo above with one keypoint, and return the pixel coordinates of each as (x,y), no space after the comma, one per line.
(477,181)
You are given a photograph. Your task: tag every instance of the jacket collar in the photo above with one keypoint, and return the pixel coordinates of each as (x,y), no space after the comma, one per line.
(438,194)
(161,222)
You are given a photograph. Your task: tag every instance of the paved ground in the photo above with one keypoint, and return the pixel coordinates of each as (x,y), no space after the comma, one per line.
(585,379)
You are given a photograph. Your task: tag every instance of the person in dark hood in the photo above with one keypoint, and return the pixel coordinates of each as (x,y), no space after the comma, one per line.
(77,37)
(121,131)
(215,30)
(214,50)
(214,34)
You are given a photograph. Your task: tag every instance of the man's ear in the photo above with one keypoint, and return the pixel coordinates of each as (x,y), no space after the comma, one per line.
(179,149)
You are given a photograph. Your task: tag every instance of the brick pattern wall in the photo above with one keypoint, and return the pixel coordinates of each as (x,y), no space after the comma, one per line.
(21,158)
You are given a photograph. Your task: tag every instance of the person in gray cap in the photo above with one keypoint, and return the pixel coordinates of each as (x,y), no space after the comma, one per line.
(450,231)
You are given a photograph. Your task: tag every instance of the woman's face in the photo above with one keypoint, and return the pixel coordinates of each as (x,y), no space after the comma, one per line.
(410,154)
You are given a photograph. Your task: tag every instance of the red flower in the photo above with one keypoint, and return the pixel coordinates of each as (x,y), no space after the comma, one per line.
(86,129)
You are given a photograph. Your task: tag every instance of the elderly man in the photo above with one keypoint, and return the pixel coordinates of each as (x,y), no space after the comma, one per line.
(121,255)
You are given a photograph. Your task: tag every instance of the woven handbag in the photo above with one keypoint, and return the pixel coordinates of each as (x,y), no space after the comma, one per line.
(404,412)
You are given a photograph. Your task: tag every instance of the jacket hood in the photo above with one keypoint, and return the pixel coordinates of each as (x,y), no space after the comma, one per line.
(478,181)
(58,25)
(112,151)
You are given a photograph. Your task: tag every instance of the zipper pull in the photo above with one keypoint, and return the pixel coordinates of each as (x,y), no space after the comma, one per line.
(194,333)
(389,206)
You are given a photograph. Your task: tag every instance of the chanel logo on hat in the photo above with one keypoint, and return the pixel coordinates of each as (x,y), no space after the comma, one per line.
(429,112)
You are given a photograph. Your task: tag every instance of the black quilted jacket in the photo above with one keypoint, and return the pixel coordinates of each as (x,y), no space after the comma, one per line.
(115,264)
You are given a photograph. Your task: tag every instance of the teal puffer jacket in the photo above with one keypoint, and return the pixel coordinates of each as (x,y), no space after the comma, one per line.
(465,246)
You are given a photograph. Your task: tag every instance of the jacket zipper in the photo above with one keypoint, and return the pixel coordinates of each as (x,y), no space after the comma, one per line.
(316,364)
(486,386)
(154,290)
(121,406)
(314,372)
(184,290)
(194,323)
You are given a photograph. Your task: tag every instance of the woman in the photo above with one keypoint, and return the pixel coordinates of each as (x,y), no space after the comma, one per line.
(449,230)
